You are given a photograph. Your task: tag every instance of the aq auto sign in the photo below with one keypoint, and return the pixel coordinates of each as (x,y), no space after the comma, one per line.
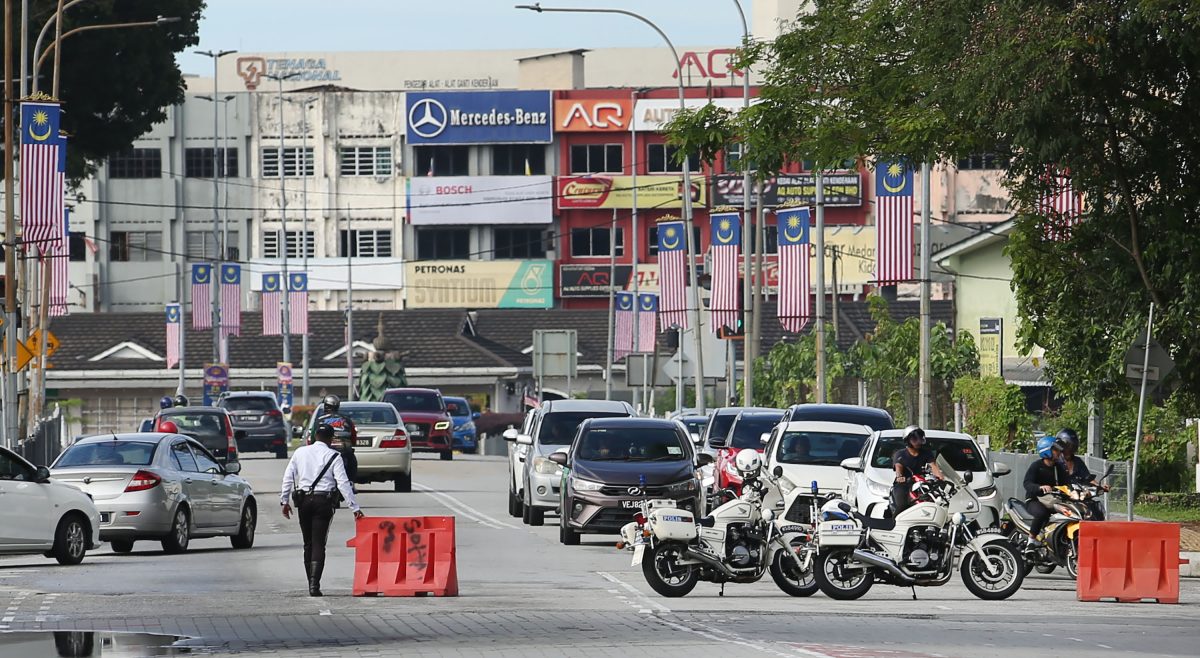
(484,117)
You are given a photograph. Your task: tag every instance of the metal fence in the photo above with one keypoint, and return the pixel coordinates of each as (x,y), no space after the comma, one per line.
(48,438)
(1010,486)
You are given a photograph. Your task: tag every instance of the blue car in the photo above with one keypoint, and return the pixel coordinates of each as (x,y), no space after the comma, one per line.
(464,438)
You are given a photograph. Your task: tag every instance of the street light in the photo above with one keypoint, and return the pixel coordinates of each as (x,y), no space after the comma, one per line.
(687,185)
(158,22)
(305,104)
(750,301)
(219,252)
(301,164)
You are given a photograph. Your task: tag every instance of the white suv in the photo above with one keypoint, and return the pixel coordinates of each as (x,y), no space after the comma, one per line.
(40,515)
(871,473)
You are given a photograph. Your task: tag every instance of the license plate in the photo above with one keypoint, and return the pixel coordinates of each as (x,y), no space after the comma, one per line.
(638,551)
(251,419)
(105,517)
(363,443)
(631,504)
(415,434)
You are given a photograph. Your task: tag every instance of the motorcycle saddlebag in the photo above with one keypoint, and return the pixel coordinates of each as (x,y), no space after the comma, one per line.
(838,533)
(673,524)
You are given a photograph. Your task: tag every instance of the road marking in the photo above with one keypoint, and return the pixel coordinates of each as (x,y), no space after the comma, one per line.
(466,510)
(326,613)
(730,638)
(642,600)
(10,614)
(1103,646)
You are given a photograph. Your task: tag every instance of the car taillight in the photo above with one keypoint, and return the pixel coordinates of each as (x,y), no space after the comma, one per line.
(142,480)
(275,413)
(399,440)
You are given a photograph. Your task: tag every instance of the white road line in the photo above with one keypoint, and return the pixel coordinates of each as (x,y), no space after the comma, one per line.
(730,638)
(1103,646)
(457,505)
(637,595)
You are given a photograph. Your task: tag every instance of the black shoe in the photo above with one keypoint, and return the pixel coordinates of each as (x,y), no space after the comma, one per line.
(314,578)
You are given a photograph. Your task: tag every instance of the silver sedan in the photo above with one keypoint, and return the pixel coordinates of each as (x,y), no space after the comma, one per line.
(162,487)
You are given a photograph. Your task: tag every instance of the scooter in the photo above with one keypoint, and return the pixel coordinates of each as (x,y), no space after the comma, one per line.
(1074,503)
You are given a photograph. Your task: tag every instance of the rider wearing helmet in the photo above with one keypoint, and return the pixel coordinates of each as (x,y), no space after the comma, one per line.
(165,402)
(1077,468)
(181,400)
(1041,478)
(330,414)
(748,464)
(168,427)
(913,459)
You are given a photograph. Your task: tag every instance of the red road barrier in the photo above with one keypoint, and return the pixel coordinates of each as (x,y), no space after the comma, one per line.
(405,556)
(1128,561)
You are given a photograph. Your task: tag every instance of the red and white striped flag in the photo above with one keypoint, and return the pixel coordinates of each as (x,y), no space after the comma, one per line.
(1060,205)
(272,304)
(298,302)
(647,338)
(202,276)
(43,175)
(795,262)
(60,265)
(174,327)
(726,250)
(893,223)
(623,336)
(231,299)
(672,275)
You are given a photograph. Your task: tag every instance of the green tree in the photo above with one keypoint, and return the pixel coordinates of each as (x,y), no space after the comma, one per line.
(997,409)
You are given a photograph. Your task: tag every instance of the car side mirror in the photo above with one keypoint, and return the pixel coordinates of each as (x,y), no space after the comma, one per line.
(238,435)
(42,475)
(509,434)
(475,415)
(297,432)
(765,438)
(716,442)
(696,438)
(233,468)
(559,458)
(704,459)
(525,439)
(853,464)
(999,468)
(968,477)
(777,471)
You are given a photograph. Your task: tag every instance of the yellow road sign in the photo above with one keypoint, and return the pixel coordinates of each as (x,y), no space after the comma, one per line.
(34,342)
(24,356)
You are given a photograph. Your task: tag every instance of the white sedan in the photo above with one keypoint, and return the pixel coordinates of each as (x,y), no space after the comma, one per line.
(812,451)
(40,515)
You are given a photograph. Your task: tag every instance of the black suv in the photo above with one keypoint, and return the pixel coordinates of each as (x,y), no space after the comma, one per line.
(258,415)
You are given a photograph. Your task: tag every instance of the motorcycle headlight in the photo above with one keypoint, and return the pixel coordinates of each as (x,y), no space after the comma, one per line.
(984,492)
(878,489)
(687,486)
(545,466)
(585,485)
(786,485)
(442,425)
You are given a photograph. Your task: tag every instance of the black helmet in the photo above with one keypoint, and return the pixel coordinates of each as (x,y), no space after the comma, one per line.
(324,431)
(914,433)
(166,402)
(1068,439)
(331,403)
(181,400)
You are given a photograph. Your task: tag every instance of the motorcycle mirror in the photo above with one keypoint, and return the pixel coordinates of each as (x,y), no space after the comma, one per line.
(968,477)
(777,471)
(1111,466)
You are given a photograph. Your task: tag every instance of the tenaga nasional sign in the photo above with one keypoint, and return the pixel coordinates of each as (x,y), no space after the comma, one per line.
(485,117)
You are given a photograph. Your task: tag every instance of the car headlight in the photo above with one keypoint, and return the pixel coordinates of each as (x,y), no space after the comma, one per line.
(585,485)
(984,492)
(468,426)
(442,425)
(687,486)
(878,489)
(545,466)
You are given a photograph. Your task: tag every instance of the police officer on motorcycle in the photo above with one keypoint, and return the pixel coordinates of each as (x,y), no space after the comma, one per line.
(911,460)
(1041,478)
(331,416)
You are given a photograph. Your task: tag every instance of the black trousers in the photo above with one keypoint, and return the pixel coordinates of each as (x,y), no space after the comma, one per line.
(900,498)
(316,513)
(1041,514)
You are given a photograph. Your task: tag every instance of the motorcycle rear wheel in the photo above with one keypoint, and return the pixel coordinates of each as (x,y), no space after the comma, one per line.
(836,581)
(788,577)
(998,586)
(664,575)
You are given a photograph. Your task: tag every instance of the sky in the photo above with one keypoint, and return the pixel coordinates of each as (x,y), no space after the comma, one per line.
(346,25)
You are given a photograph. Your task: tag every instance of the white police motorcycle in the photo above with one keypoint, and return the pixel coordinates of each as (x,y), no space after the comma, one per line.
(738,543)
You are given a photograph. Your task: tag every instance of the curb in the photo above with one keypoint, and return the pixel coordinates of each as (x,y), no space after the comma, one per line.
(1192,569)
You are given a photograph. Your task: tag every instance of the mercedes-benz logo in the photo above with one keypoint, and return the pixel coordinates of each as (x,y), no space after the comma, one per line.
(634,491)
(427,118)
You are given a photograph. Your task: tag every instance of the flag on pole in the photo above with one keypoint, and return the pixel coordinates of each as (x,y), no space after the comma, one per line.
(672,274)
(647,323)
(1060,205)
(60,260)
(174,327)
(795,262)
(231,299)
(726,251)
(623,336)
(202,274)
(42,186)
(272,304)
(298,302)
(893,223)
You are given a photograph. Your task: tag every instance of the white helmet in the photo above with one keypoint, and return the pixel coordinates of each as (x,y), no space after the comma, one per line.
(748,463)
(833,511)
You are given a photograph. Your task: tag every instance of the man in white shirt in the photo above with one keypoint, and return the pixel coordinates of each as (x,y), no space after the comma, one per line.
(316,474)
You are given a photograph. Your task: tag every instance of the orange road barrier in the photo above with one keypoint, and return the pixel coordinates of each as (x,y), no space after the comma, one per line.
(1128,562)
(405,556)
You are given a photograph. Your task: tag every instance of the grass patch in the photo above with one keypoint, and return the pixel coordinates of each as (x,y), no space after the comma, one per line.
(1170,513)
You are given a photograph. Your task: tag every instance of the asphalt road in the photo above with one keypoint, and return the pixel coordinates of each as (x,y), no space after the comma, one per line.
(522,594)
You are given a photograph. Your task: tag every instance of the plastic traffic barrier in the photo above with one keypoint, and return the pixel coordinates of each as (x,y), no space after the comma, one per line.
(1128,561)
(404,556)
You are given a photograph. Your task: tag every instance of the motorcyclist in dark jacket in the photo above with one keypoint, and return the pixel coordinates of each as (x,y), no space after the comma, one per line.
(1078,469)
(331,415)
(1040,479)
(913,459)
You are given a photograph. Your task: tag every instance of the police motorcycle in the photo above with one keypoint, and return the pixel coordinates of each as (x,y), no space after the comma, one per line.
(737,543)
(918,547)
(1073,504)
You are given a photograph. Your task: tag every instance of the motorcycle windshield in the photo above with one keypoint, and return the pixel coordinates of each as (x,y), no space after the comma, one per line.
(949,473)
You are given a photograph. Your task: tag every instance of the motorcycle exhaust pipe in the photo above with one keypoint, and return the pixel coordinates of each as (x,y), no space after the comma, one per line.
(885,564)
(710,561)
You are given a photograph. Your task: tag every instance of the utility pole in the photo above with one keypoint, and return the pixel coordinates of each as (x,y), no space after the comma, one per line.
(218,246)
(10,242)
(820,311)
(749,348)
(752,342)
(304,236)
(836,257)
(926,325)
(612,298)
(349,313)
(301,170)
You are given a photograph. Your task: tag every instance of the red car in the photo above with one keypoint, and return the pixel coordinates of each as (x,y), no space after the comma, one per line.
(745,434)
(428,422)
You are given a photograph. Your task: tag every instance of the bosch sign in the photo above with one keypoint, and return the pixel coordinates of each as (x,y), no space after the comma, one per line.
(489,117)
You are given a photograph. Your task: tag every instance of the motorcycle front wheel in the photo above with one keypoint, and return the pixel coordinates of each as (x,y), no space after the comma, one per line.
(1001,584)
(664,574)
(837,580)
(789,577)
(1072,557)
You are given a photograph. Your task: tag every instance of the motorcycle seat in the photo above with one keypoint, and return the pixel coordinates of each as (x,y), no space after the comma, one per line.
(1017,506)
(876,524)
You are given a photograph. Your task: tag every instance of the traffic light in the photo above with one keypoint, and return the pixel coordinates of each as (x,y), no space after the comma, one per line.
(724,333)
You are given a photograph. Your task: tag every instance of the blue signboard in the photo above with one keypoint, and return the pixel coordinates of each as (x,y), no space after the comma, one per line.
(482,117)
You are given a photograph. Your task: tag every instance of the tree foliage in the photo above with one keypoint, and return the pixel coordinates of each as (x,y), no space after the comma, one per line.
(997,409)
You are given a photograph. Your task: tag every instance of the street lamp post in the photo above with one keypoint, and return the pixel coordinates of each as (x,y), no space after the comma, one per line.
(305,104)
(158,22)
(687,188)
(750,345)
(218,243)
(301,165)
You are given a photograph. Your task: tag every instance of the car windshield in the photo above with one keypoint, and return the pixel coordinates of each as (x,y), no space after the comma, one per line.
(370,415)
(818,448)
(107,453)
(631,444)
(458,408)
(963,455)
(695,425)
(197,424)
(720,426)
(748,431)
(558,429)
(414,401)
(249,404)
(876,421)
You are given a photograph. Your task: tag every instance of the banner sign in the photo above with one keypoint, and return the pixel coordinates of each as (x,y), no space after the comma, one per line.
(843,188)
(652,114)
(991,346)
(216,382)
(592,115)
(606,192)
(483,117)
(283,371)
(480,200)
(593,280)
(480,284)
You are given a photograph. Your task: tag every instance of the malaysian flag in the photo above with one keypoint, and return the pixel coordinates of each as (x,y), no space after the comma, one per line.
(1060,205)
(174,329)
(672,274)
(893,223)
(60,257)
(623,337)
(231,299)
(795,261)
(43,166)
(298,302)
(202,274)
(647,327)
(272,304)
(726,250)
